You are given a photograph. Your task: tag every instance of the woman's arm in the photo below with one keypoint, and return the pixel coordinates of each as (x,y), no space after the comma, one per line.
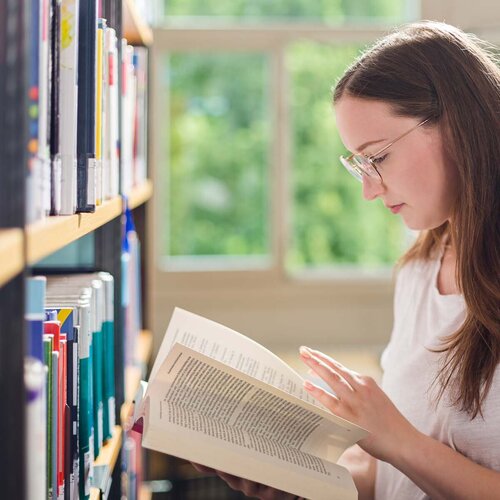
(444,473)
(435,468)
(362,467)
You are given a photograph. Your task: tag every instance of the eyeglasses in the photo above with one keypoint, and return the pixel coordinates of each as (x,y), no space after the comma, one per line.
(359,164)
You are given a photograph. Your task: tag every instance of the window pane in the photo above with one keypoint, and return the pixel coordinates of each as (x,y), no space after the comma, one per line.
(332,224)
(218,140)
(338,11)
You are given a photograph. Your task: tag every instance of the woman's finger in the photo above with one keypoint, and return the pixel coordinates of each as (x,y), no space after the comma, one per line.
(333,403)
(203,468)
(335,380)
(349,375)
(234,482)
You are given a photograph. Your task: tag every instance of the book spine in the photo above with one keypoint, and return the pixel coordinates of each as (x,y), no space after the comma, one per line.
(47,351)
(35,377)
(43,112)
(55,157)
(85,403)
(98,112)
(68,97)
(86,107)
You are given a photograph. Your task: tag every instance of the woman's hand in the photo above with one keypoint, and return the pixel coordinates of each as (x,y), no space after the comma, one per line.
(249,488)
(359,399)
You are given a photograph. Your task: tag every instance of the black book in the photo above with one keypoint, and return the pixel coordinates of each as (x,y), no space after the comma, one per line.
(85,147)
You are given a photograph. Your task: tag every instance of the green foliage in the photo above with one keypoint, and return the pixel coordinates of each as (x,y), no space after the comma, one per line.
(219,143)
(218,140)
(331,221)
(299,10)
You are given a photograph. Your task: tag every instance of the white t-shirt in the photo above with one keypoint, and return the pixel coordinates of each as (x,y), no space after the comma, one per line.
(422,316)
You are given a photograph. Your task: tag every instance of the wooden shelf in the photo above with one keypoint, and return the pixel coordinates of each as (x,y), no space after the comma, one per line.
(144,346)
(11,254)
(109,452)
(140,194)
(145,493)
(53,233)
(135,28)
(106,460)
(133,374)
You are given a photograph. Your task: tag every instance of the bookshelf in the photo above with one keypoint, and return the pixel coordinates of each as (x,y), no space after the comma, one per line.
(105,463)
(137,30)
(11,254)
(53,233)
(22,246)
(135,373)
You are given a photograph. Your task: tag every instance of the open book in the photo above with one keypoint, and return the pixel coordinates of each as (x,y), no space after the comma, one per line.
(217,398)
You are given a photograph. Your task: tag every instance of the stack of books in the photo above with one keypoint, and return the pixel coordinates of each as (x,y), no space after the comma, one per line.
(70,379)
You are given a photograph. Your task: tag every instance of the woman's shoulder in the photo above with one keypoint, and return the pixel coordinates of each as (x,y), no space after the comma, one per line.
(416,269)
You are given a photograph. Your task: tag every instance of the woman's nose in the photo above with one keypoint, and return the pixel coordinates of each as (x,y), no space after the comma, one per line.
(372,188)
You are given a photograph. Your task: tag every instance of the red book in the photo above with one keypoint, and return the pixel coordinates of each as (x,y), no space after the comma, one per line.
(59,345)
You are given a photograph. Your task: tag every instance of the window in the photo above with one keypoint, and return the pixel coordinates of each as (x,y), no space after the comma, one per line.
(248,150)
(257,224)
(218,138)
(332,224)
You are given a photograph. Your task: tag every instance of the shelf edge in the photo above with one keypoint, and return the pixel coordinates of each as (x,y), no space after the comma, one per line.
(11,254)
(135,28)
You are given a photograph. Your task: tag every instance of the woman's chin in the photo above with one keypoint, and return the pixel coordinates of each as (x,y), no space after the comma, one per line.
(421,224)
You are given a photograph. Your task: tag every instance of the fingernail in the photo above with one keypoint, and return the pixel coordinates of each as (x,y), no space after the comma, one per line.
(304,351)
(308,386)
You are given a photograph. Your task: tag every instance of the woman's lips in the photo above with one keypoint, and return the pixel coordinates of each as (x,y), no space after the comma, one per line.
(396,208)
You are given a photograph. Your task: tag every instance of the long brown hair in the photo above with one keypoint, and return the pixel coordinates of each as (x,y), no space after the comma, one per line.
(433,70)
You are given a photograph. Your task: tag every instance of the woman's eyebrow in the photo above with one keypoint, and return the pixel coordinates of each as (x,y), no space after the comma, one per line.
(369,143)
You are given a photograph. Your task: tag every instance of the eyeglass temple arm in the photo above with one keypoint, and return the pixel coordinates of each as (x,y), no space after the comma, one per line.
(397,139)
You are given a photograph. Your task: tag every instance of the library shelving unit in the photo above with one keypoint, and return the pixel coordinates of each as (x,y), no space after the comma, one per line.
(22,246)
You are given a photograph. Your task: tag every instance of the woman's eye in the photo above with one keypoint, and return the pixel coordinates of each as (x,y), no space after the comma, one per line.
(379,159)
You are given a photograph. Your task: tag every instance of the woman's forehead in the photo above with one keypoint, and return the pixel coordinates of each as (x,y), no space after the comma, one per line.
(364,120)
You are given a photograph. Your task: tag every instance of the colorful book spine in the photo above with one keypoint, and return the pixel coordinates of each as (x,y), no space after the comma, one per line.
(59,348)
(48,361)
(97,365)
(34,178)
(35,376)
(43,105)
(85,400)
(108,354)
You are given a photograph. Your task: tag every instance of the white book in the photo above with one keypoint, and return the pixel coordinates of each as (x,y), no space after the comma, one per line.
(68,98)
(43,108)
(217,398)
(110,144)
(128,103)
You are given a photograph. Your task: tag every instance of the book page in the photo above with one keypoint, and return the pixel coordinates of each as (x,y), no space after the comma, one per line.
(204,395)
(320,480)
(231,348)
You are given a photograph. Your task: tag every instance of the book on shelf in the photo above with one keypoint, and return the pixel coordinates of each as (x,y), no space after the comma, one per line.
(70,376)
(76,155)
(220,399)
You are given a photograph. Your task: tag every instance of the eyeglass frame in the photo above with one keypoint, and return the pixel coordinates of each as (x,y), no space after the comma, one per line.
(358,171)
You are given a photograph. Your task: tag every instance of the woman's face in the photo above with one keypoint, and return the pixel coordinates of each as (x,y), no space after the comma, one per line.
(418,183)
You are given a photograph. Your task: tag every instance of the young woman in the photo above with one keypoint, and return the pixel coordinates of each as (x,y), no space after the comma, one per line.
(421,113)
